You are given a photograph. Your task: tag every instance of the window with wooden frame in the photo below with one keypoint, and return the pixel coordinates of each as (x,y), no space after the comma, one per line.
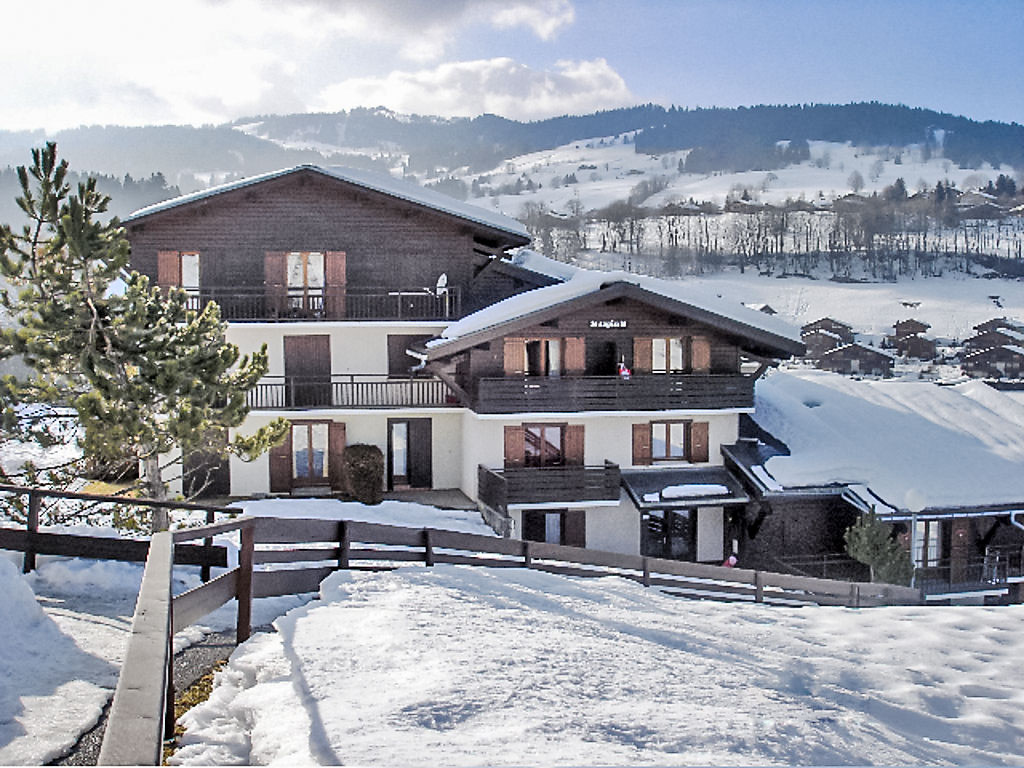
(178,269)
(305,282)
(544,445)
(670,440)
(687,354)
(668,355)
(544,356)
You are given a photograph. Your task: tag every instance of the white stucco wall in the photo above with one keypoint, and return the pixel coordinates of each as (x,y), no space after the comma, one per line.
(355,347)
(370,427)
(614,529)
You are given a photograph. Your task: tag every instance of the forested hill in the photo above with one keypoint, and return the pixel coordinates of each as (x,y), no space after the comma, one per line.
(148,163)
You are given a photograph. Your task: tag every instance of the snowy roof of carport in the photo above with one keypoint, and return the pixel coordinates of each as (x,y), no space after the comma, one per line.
(908,445)
(682,487)
(377,182)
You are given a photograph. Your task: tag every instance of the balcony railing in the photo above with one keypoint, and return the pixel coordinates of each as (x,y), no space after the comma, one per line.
(646,392)
(991,571)
(279,303)
(497,488)
(349,391)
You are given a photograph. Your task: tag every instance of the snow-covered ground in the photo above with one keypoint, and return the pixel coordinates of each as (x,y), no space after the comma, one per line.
(472,666)
(64,628)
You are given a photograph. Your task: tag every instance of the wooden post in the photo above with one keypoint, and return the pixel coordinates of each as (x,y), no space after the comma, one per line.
(428,551)
(204,572)
(758,587)
(527,555)
(647,573)
(343,544)
(244,626)
(169,701)
(34,503)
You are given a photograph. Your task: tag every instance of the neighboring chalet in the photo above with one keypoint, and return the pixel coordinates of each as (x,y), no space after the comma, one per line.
(578,407)
(857,359)
(915,346)
(840,329)
(911,327)
(1002,362)
(999,322)
(820,341)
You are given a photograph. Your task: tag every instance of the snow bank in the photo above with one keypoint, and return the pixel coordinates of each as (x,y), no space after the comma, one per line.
(913,443)
(52,689)
(473,666)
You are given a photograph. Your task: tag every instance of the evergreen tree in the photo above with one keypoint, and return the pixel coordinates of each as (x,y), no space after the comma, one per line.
(870,541)
(145,376)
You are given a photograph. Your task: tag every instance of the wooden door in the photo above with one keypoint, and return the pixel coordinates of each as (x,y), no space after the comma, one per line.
(410,453)
(307,371)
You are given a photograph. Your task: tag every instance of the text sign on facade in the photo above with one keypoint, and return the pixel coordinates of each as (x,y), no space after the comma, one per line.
(607,323)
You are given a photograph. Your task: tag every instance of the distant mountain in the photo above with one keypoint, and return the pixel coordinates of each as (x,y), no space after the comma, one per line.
(761,138)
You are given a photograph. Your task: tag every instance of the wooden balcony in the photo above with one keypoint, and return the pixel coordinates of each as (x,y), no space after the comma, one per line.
(993,571)
(646,392)
(349,391)
(277,303)
(497,488)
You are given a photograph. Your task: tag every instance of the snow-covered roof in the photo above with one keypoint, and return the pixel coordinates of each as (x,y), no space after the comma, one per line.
(858,345)
(579,283)
(829,320)
(911,443)
(820,332)
(1007,332)
(1014,348)
(377,182)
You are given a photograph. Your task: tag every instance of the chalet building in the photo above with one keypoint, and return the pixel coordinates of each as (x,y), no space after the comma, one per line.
(915,346)
(840,329)
(820,341)
(586,408)
(857,359)
(1002,362)
(911,327)
(994,337)
(1000,322)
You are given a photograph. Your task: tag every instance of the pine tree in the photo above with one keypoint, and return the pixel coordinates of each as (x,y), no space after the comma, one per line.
(870,541)
(146,377)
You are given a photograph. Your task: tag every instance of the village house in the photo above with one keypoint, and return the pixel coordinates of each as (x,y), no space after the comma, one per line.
(820,341)
(857,359)
(839,328)
(994,337)
(910,327)
(915,346)
(1002,362)
(578,407)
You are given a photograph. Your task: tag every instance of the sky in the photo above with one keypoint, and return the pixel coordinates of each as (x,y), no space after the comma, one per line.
(124,62)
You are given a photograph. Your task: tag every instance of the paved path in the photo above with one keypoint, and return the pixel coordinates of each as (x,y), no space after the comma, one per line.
(190,664)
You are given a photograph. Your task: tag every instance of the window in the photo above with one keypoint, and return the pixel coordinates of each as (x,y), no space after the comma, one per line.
(543,357)
(668,440)
(927,548)
(668,356)
(305,276)
(178,269)
(190,271)
(309,451)
(544,445)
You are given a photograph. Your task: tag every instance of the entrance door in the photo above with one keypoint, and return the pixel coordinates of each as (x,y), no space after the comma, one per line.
(602,357)
(410,455)
(307,371)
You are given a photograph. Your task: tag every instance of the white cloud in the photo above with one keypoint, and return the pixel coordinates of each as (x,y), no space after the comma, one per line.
(501,86)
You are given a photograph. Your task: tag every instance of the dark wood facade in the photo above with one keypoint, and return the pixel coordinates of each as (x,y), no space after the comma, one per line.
(373,244)
(915,346)
(820,341)
(841,329)
(856,359)
(1006,362)
(909,327)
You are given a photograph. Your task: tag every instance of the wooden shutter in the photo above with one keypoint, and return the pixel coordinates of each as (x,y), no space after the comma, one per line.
(168,269)
(574,528)
(335,278)
(699,441)
(574,445)
(641,444)
(575,355)
(275,268)
(281,465)
(643,355)
(515,446)
(336,456)
(515,356)
(700,354)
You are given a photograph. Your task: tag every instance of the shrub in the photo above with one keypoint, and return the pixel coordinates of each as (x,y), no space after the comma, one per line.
(870,541)
(364,469)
